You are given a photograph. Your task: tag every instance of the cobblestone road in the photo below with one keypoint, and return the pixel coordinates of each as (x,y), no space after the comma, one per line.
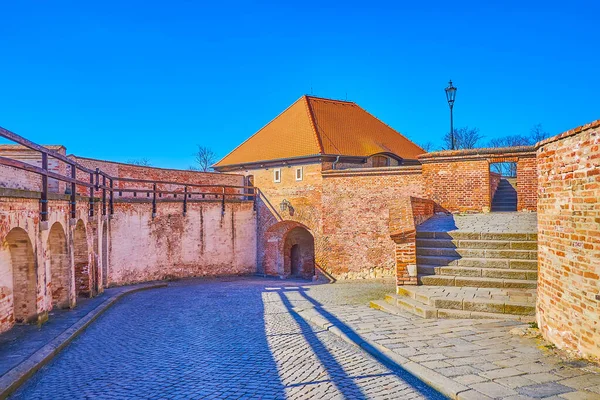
(236,338)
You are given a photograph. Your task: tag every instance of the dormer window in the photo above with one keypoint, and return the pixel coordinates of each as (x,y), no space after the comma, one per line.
(381,161)
(277,175)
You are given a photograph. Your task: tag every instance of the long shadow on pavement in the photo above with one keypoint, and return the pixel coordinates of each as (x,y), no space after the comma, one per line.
(409,378)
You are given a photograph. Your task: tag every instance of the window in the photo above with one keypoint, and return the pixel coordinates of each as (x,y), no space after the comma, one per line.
(277,175)
(380,161)
(299,173)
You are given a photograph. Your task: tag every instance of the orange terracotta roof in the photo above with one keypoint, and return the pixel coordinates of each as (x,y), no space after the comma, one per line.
(314,126)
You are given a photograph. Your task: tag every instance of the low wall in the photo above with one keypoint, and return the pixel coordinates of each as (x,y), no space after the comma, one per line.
(120,170)
(204,242)
(356,213)
(568,304)
(494,183)
(406,213)
(460,180)
(15,178)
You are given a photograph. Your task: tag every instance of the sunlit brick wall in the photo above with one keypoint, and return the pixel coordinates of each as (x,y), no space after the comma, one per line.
(568,309)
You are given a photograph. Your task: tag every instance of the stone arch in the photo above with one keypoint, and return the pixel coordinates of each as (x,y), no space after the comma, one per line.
(289,250)
(60,266)
(24,276)
(104,255)
(81,260)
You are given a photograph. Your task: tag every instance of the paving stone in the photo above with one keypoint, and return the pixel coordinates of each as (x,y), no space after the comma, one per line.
(502,373)
(469,379)
(493,389)
(580,395)
(543,377)
(543,390)
(515,382)
(582,381)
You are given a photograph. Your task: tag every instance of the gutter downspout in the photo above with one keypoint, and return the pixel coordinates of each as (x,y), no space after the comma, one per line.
(335,162)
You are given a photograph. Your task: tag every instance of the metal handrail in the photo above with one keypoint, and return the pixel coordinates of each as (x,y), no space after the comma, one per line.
(94,181)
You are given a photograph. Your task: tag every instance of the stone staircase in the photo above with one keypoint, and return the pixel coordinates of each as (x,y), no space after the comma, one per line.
(505,198)
(493,260)
(472,267)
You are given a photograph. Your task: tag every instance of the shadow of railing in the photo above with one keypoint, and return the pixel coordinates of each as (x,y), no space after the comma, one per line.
(337,372)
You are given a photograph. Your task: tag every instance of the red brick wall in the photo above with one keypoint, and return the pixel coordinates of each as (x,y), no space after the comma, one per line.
(461,181)
(527,175)
(158,174)
(356,205)
(458,185)
(15,178)
(568,309)
(494,182)
(405,214)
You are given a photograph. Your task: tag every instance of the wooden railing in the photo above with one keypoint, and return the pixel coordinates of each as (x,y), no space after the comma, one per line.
(101,181)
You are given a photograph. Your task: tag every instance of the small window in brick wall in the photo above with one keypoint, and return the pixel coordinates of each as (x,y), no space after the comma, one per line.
(380,161)
(299,173)
(277,175)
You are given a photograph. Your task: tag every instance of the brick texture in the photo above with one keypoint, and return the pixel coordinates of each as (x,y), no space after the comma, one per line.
(568,309)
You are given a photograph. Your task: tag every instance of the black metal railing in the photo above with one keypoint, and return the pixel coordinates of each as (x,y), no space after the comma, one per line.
(99,180)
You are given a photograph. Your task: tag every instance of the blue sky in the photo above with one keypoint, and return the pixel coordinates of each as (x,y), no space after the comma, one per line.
(124,80)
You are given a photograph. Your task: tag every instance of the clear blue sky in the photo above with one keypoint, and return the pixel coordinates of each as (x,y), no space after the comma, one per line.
(130,79)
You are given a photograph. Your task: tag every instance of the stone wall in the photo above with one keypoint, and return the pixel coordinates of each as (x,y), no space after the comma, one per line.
(356,205)
(204,242)
(568,306)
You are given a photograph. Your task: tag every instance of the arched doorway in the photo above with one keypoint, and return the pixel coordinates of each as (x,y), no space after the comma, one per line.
(276,255)
(299,253)
(24,276)
(104,256)
(60,267)
(81,260)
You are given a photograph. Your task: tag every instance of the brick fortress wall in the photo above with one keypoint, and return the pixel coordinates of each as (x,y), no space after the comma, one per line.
(568,305)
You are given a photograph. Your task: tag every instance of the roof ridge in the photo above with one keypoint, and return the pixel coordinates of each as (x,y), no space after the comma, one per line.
(397,131)
(328,99)
(313,124)
(257,132)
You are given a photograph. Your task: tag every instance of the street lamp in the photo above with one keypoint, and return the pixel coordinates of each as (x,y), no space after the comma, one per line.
(450,95)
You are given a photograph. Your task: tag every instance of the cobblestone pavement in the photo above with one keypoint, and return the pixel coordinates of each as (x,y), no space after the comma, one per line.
(225,338)
(497,222)
(19,343)
(482,355)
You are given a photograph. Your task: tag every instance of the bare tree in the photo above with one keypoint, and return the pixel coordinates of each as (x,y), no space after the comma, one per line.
(142,162)
(464,138)
(537,134)
(427,146)
(204,158)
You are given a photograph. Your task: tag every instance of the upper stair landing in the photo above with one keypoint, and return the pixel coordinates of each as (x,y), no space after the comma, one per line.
(509,222)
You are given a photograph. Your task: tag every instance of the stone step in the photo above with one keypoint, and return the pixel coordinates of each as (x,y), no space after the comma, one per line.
(503,201)
(476,235)
(411,305)
(477,253)
(478,244)
(499,273)
(398,304)
(504,208)
(468,281)
(477,262)
(466,299)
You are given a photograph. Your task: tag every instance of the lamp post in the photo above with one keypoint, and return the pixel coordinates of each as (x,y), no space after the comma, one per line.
(450,95)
